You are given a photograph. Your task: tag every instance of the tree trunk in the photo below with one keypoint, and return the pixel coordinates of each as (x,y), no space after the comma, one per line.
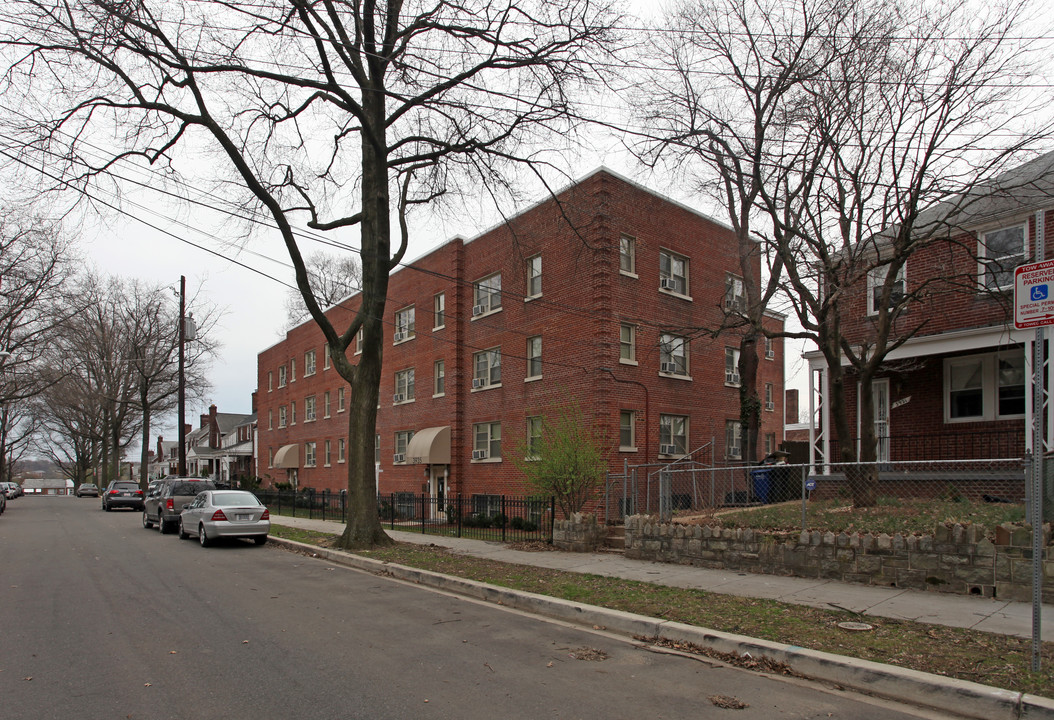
(144,455)
(749,403)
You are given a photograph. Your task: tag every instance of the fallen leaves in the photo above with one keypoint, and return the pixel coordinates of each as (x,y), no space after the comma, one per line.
(727,702)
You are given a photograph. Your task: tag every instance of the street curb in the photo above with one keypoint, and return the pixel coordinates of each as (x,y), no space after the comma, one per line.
(966,699)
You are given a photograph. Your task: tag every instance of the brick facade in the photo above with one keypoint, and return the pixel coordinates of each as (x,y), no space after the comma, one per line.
(584,301)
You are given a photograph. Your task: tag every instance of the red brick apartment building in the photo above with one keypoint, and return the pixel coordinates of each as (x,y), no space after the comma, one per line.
(961,388)
(596,297)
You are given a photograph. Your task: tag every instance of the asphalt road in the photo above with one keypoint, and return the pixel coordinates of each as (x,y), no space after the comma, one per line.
(100,618)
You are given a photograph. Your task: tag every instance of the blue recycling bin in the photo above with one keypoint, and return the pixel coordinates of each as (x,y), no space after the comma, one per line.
(761,483)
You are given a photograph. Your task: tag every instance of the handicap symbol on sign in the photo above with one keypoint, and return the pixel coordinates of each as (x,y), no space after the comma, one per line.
(1039,292)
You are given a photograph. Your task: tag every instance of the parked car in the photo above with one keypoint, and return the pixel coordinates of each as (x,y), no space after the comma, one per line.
(122,493)
(87,490)
(225,513)
(165,500)
(3,503)
(10,490)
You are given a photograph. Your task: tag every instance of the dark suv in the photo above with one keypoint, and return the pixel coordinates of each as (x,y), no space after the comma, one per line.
(165,500)
(122,493)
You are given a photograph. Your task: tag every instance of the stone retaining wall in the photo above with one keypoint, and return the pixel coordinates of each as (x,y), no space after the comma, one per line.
(579,534)
(954,559)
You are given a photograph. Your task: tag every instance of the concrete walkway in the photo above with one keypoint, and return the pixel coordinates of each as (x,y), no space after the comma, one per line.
(977,613)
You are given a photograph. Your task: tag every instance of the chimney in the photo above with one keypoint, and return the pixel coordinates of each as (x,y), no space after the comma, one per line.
(204,420)
(252,408)
(790,406)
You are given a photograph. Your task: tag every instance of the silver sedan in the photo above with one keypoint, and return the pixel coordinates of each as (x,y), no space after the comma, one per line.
(225,513)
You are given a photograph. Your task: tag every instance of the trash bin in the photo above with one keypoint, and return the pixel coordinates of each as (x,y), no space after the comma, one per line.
(761,483)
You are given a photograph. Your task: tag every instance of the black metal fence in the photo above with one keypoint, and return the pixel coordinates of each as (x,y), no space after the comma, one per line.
(482,517)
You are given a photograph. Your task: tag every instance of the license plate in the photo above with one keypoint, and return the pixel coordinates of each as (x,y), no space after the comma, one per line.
(243,517)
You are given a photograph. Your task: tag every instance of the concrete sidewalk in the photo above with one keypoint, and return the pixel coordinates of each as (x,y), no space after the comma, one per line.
(976,613)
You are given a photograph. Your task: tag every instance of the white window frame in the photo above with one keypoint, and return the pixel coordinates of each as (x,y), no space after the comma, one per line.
(983,258)
(310,456)
(876,278)
(341,450)
(627,255)
(292,412)
(282,416)
(770,348)
(325,404)
(486,366)
(309,408)
(733,440)
(358,342)
(270,418)
(439,378)
(340,399)
(282,376)
(270,381)
(309,363)
(735,293)
(405,325)
(486,296)
(990,384)
(670,276)
(770,401)
(667,425)
(732,378)
(631,415)
(485,438)
(439,311)
(402,441)
(534,425)
(292,370)
(404,385)
(325,357)
(627,330)
(674,350)
(534,277)
(534,358)
(327,454)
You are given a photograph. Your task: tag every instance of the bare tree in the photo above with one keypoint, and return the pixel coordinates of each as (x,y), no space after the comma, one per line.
(332,278)
(891,108)
(341,115)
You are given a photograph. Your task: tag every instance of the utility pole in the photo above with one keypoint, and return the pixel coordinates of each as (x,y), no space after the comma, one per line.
(182,434)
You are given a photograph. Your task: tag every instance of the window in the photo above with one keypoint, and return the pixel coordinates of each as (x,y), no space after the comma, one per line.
(735,294)
(626,430)
(1000,251)
(292,413)
(534,437)
(292,370)
(439,378)
(404,386)
(404,324)
(876,280)
(627,255)
(985,387)
(673,434)
(340,399)
(309,363)
(439,310)
(325,404)
(270,419)
(281,416)
(733,436)
(627,350)
(732,366)
(358,342)
(309,454)
(326,457)
(673,273)
(770,403)
(325,356)
(309,409)
(486,505)
(673,354)
(340,450)
(770,349)
(270,457)
(270,381)
(534,357)
(402,439)
(486,368)
(377,449)
(486,295)
(281,376)
(487,442)
(770,443)
(534,276)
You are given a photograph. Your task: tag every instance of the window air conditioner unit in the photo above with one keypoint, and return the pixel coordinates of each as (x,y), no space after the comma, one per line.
(399,337)
(479,454)
(770,405)
(668,367)
(770,353)
(399,397)
(478,310)
(398,457)
(478,383)
(732,378)
(667,283)
(667,449)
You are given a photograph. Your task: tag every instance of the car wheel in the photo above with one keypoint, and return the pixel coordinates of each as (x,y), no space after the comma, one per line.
(183,534)
(202,537)
(147,522)
(161,525)
(260,539)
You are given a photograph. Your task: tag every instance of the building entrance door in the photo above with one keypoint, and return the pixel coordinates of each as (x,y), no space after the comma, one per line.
(880,397)
(437,489)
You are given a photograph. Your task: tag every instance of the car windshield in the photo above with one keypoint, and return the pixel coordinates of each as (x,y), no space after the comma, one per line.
(190,488)
(234,497)
(125,486)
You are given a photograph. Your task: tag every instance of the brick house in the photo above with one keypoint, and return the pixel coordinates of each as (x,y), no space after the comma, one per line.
(961,387)
(598,297)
